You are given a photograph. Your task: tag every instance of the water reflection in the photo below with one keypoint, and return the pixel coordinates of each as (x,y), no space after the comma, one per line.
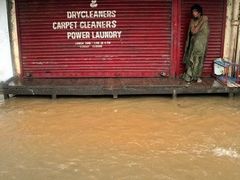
(127,138)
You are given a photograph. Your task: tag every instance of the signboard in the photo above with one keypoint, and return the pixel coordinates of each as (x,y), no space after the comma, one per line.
(96,26)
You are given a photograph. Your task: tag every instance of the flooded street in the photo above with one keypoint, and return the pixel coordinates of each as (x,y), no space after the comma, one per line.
(128,138)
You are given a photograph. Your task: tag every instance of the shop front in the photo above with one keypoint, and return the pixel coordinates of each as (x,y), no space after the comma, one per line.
(103,38)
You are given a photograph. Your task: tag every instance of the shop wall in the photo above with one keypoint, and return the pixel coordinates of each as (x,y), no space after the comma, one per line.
(5,53)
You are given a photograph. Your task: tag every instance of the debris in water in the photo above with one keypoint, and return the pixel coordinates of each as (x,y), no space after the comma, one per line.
(226,152)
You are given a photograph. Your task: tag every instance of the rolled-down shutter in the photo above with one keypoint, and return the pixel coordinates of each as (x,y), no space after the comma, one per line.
(215,10)
(132,40)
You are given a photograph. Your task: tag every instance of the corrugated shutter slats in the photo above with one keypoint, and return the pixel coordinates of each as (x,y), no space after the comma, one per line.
(144,49)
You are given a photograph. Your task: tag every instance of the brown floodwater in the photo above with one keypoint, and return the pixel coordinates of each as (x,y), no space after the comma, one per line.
(125,139)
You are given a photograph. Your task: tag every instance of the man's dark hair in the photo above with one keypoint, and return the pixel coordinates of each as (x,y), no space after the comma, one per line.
(198,8)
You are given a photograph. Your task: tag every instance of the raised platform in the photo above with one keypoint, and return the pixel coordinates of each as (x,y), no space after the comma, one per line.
(112,86)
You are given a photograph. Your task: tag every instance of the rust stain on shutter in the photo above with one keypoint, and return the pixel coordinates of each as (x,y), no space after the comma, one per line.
(139,47)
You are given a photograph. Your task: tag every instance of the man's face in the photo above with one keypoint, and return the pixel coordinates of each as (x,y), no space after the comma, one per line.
(196,14)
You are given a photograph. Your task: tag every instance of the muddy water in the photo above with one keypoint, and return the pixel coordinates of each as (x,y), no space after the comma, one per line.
(127,138)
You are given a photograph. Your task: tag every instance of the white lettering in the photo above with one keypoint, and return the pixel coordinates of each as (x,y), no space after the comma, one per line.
(78,35)
(91,14)
(97,24)
(64,25)
(106,34)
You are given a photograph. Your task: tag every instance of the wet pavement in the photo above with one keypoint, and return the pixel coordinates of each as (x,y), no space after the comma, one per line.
(127,138)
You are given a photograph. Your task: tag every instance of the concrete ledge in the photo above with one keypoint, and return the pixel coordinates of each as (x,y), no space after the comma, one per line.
(112,86)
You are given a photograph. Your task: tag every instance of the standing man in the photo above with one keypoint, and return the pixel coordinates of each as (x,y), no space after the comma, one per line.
(196,45)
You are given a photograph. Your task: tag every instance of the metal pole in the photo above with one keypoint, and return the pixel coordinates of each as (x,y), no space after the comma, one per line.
(235,28)
(238,39)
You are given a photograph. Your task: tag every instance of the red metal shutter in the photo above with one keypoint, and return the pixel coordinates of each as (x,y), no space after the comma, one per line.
(215,10)
(143,50)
